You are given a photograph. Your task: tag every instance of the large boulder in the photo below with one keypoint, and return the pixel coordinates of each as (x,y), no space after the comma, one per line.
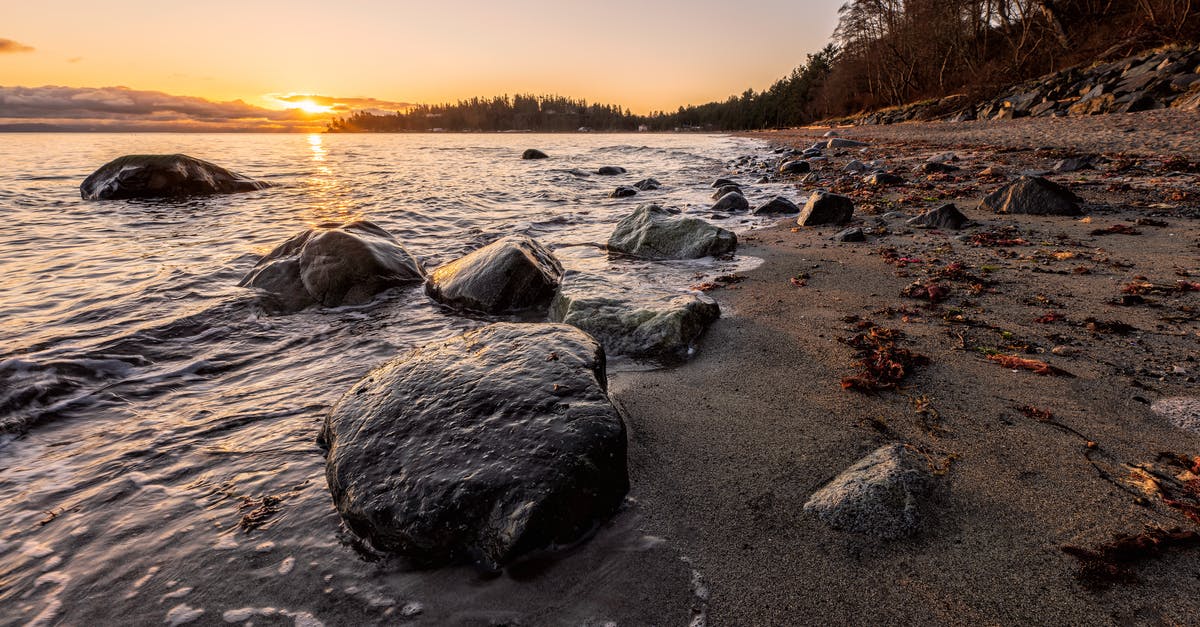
(652,232)
(333,264)
(162,176)
(632,320)
(880,495)
(826,208)
(775,206)
(514,273)
(733,202)
(1033,195)
(534,153)
(945,217)
(484,447)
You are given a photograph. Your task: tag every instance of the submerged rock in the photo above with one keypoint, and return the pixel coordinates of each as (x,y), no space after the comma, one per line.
(777,205)
(1182,411)
(624,191)
(826,208)
(514,273)
(162,176)
(725,189)
(486,446)
(945,217)
(334,264)
(610,170)
(652,232)
(880,495)
(1033,195)
(631,320)
(534,153)
(732,202)
(647,185)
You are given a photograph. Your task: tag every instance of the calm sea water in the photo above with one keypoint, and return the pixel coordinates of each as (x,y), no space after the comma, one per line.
(147,404)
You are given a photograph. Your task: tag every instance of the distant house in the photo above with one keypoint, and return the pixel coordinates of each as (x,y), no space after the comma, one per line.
(642,128)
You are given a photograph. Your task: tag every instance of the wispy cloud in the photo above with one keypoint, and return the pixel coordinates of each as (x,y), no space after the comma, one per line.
(342,105)
(79,108)
(10,46)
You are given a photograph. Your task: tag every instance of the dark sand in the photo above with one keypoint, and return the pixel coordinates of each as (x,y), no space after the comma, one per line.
(726,449)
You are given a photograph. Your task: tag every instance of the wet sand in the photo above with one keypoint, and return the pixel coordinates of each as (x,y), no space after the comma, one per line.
(726,449)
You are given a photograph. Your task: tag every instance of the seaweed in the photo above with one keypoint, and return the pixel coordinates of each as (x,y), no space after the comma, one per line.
(1108,327)
(1050,318)
(881,364)
(1003,236)
(1117,229)
(1114,561)
(1020,363)
(1141,287)
(931,291)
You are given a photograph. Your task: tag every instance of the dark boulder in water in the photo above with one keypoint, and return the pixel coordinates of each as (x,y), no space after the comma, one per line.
(633,320)
(652,232)
(487,446)
(733,202)
(334,264)
(647,185)
(624,191)
(162,176)
(610,170)
(534,153)
(514,273)
(725,189)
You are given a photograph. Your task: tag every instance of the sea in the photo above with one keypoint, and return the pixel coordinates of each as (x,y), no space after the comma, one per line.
(158,462)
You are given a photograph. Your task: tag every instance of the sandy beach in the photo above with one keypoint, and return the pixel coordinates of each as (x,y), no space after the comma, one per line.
(726,449)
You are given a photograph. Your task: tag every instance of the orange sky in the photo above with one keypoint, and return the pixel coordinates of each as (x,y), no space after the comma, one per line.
(642,55)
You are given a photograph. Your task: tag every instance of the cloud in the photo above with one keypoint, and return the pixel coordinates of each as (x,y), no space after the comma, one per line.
(72,108)
(343,105)
(8,45)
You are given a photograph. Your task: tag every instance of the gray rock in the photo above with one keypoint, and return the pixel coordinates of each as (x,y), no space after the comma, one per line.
(854,166)
(733,202)
(647,185)
(839,142)
(811,153)
(652,232)
(777,205)
(763,179)
(1033,195)
(1072,164)
(1181,411)
(486,446)
(726,189)
(812,178)
(162,176)
(934,167)
(882,179)
(826,208)
(333,264)
(945,217)
(798,166)
(943,157)
(633,320)
(610,170)
(624,191)
(722,182)
(534,153)
(880,495)
(514,273)
(854,234)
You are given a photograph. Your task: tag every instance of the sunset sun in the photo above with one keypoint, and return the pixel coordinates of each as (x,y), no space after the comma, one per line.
(308,106)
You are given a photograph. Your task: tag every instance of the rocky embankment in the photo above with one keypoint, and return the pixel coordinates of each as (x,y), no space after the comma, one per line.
(1160,79)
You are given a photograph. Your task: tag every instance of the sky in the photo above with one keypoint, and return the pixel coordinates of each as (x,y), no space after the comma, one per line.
(232,64)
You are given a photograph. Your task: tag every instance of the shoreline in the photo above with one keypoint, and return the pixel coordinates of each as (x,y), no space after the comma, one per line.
(726,449)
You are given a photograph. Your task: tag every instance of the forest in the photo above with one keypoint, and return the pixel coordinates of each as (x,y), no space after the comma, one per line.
(883,53)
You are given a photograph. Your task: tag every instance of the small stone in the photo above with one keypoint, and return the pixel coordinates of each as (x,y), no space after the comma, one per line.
(854,234)
(610,170)
(882,179)
(647,185)
(1181,411)
(624,191)
(826,208)
(798,166)
(776,205)
(534,153)
(880,495)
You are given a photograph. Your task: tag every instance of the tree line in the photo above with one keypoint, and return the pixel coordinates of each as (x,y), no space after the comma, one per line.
(883,53)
